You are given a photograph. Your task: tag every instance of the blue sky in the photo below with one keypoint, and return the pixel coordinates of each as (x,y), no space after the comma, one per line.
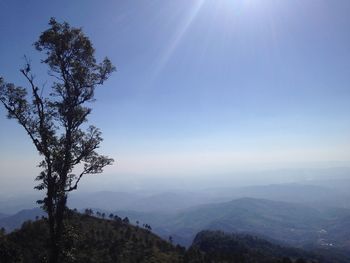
(202,86)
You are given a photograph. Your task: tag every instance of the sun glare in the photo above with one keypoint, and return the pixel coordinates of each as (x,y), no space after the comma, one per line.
(178,35)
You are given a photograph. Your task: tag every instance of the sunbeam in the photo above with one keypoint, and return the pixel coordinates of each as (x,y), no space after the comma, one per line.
(178,36)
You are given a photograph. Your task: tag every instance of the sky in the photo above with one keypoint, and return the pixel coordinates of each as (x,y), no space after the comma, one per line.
(202,88)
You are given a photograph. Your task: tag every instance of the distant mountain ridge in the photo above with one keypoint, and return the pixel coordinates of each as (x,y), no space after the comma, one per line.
(13,222)
(321,194)
(308,216)
(316,195)
(293,224)
(289,223)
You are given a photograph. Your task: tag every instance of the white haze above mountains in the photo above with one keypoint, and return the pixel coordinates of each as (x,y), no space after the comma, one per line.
(14,186)
(328,187)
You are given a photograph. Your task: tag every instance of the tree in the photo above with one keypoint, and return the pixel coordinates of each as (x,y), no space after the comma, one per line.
(2,231)
(89,212)
(55,122)
(117,218)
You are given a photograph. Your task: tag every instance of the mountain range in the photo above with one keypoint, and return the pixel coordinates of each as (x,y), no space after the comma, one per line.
(94,239)
(294,224)
(312,217)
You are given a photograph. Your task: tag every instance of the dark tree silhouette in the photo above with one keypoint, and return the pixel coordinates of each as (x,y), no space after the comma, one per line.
(126,220)
(147,226)
(89,212)
(54,122)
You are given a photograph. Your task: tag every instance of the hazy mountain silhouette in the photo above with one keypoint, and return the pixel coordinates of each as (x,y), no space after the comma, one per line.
(290,223)
(320,195)
(15,221)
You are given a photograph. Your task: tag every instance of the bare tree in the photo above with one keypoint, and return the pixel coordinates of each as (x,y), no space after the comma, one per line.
(55,123)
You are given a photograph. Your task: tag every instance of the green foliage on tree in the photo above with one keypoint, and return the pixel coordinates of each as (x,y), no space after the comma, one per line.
(55,122)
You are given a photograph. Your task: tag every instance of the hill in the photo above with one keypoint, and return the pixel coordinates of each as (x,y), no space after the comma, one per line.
(89,239)
(315,195)
(293,224)
(217,246)
(94,240)
(286,223)
(12,222)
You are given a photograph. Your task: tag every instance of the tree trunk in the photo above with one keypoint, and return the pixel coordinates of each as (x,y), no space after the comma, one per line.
(58,228)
